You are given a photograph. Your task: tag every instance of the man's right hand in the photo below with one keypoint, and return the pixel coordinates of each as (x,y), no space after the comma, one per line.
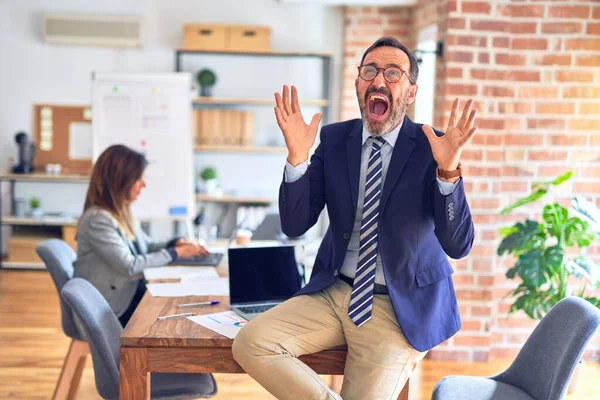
(299,137)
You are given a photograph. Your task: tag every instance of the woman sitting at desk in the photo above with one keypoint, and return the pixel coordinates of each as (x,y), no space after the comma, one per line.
(112,250)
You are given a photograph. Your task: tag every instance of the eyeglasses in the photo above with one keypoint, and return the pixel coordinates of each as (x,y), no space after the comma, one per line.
(390,74)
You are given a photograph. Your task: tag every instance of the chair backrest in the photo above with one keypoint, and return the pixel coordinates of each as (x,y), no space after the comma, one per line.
(544,366)
(59,257)
(102,330)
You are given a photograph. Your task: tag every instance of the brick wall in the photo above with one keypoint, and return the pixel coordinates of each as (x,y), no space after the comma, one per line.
(533,69)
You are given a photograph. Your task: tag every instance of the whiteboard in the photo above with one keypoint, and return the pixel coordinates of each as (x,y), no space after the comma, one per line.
(150,113)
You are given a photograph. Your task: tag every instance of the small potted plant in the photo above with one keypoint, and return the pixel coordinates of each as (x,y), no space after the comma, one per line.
(206,79)
(34,205)
(209,178)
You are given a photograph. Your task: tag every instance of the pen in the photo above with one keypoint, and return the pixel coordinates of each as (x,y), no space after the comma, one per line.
(204,303)
(174,316)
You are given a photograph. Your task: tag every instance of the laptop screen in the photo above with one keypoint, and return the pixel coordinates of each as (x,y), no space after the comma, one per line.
(264,273)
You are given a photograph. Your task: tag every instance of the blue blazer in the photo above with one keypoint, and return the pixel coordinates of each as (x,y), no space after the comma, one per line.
(418,228)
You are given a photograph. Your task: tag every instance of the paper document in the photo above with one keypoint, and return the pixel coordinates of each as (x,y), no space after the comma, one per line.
(226,323)
(196,287)
(183,273)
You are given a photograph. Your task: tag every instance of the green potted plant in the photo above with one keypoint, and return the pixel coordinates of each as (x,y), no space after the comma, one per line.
(209,179)
(551,260)
(34,205)
(206,79)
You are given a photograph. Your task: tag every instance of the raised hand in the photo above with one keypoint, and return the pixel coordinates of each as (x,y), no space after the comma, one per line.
(447,149)
(299,137)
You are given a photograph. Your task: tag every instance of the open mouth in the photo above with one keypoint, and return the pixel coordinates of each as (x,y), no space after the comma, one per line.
(378,106)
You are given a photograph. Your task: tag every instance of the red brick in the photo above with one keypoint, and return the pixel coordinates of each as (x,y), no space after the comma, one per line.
(553,59)
(515,107)
(501,42)
(493,75)
(488,123)
(463,279)
(461,89)
(524,76)
(569,11)
(449,355)
(555,108)
(483,58)
(399,22)
(483,280)
(547,155)
(487,218)
(538,92)
(488,140)
(472,155)
(459,56)
(523,27)
(593,28)
(476,7)
(514,186)
(590,172)
(562,27)
(390,10)
(456,23)
(478,294)
(488,235)
(596,13)
(590,108)
(529,44)
(497,91)
(494,155)
(473,326)
(525,139)
(464,340)
(587,187)
(504,353)
(525,10)
(574,76)
(553,171)
(481,311)
(582,44)
(583,92)
(522,170)
(517,337)
(369,21)
(510,59)
(595,140)
(515,321)
(513,155)
(484,203)
(490,25)
(513,124)
(588,61)
(454,72)
(567,140)
(584,124)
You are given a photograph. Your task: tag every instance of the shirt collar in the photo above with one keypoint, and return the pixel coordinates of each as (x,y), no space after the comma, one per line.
(388,137)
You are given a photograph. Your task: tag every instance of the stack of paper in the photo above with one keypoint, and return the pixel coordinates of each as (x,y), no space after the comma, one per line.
(226,323)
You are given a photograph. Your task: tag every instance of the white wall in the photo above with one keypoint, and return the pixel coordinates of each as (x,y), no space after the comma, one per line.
(32,72)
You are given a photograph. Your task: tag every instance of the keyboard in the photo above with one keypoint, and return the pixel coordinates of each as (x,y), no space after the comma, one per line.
(210,260)
(255,309)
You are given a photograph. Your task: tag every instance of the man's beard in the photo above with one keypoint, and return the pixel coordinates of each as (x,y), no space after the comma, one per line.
(396,114)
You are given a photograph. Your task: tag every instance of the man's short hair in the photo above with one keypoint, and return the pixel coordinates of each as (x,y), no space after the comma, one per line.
(391,41)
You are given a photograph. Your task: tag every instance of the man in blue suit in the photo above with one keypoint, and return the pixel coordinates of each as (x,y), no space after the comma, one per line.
(381,281)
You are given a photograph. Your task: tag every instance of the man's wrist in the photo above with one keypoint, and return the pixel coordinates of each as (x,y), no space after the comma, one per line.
(296,159)
(451,176)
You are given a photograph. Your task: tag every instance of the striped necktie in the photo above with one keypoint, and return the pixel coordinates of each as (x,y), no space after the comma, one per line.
(361,299)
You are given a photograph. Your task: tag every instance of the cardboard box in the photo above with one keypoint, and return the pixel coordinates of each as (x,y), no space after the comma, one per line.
(249,38)
(205,37)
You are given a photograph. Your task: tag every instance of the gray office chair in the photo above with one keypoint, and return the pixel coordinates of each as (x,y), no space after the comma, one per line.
(543,368)
(103,329)
(58,257)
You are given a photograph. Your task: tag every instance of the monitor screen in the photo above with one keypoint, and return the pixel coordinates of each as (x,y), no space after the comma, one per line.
(264,273)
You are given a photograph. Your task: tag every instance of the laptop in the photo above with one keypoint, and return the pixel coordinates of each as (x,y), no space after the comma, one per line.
(262,277)
(210,260)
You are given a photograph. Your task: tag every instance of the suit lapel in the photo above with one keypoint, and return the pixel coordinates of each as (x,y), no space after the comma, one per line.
(353,155)
(402,150)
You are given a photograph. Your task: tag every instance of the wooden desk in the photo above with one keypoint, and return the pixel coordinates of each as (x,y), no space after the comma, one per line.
(180,345)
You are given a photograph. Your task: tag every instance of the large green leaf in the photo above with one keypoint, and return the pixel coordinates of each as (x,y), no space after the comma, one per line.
(557,181)
(555,216)
(578,232)
(537,266)
(594,300)
(524,237)
(534,302)
(538,194)
(584,267)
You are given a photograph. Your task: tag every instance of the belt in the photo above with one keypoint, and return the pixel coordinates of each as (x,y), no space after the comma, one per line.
(378,289)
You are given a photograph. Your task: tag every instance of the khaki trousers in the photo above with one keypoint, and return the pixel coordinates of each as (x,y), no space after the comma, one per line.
(379,360)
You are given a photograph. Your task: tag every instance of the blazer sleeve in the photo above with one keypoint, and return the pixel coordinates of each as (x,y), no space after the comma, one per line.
(452,216)
(154,245)
(301,201)
(106,241)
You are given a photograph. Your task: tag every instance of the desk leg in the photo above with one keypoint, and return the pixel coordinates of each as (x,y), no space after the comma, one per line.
(134,379)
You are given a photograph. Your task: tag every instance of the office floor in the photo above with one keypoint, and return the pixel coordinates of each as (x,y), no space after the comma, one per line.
(32,349)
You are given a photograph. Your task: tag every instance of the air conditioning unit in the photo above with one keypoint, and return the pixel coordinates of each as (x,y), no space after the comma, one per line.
(93,30)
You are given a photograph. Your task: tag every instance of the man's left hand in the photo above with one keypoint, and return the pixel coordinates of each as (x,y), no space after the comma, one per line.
(447,149)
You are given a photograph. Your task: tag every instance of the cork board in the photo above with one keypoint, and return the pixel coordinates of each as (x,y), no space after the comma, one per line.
(62,135)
